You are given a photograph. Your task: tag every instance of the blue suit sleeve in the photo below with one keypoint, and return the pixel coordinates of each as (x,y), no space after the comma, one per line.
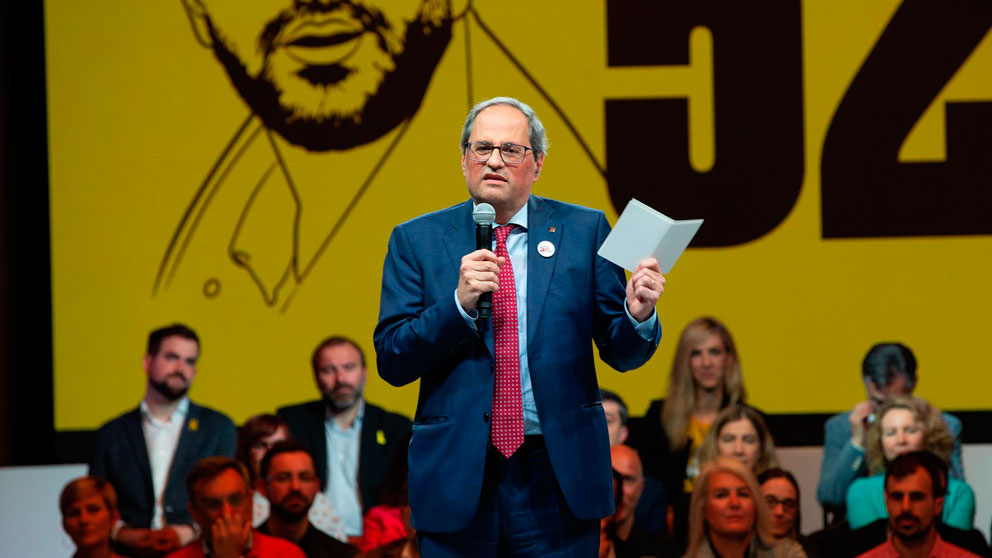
(842,462)
(620,344)
(411,337)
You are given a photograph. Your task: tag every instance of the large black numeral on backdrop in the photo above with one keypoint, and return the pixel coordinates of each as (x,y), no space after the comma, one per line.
(758,111)
(867,192)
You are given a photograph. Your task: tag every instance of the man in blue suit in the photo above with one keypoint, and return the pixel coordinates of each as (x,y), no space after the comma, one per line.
(510,454)
(147,452)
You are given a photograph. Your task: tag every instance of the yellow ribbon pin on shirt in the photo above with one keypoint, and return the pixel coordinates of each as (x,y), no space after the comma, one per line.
(380,437)
(194,425)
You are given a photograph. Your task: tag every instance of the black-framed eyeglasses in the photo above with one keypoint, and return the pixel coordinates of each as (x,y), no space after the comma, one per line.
(510,153)
(788,504)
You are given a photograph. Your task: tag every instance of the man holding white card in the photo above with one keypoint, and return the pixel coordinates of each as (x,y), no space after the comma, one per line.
(510,453)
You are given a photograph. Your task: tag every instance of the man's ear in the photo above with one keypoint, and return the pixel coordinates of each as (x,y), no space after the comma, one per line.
(197,15)
(624,432)
(938,507)
(146,362)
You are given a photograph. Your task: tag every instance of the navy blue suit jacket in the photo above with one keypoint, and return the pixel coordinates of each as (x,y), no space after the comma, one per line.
(121,457)
(573,297)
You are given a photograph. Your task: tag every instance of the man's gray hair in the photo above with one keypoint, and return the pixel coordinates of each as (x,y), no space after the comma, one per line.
(538,137)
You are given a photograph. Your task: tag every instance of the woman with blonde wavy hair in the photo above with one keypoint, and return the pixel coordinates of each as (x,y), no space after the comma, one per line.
(729,517)
(740,432)
(705,378)
(902,425)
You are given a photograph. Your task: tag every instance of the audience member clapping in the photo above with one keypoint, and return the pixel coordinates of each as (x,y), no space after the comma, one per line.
(89,512)
(740,432)
(906,424)
(259,434)
(729,517)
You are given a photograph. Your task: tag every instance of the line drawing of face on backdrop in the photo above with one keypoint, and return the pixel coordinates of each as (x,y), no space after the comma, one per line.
(327,74)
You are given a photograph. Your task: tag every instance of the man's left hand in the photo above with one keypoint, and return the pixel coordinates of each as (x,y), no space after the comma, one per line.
(643,289)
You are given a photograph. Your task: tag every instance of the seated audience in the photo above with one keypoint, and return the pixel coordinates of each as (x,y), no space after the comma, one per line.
(289,482)
(147,452)
(906,424)
(89,512)
(630,540)
(220,503)
(740,432)
(705,378)
(257,436)
(888,371)
(914,497)
(729,517)
(781,492)
(652,507)
(387,525)
(344,424)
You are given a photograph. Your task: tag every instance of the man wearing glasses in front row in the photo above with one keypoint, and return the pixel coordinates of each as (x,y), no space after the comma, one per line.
(510,453)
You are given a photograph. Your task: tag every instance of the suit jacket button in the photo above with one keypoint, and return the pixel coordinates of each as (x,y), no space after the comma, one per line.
(168,509)
(485,417)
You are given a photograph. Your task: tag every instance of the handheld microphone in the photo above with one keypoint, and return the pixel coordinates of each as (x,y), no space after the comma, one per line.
(484,215)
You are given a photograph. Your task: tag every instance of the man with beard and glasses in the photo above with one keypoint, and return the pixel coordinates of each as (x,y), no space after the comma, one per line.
(353,440)
(320,77)
(146,453)
(914,498)
(289,480)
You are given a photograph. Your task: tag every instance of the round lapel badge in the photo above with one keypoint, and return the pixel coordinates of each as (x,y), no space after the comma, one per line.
(546,249)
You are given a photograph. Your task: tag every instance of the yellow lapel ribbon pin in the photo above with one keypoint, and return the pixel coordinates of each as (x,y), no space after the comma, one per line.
(194,425)
(380,437)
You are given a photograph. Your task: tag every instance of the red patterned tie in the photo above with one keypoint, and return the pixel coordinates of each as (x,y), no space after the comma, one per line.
(507,431)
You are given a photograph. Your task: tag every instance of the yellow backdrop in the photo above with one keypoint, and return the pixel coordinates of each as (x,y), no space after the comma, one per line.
(140,112)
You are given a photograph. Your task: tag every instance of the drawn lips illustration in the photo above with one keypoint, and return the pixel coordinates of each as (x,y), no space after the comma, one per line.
(315,42)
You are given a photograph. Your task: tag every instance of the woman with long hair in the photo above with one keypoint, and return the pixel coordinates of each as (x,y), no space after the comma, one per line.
(89,512)
(902,425)
(705,378)
(728,516)
(740,432)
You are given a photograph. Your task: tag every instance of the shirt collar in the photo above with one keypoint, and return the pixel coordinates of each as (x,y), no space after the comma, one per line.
(329,418)
(179,413)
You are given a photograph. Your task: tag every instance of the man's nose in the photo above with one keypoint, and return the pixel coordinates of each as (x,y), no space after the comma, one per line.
(294,483)
(495,159)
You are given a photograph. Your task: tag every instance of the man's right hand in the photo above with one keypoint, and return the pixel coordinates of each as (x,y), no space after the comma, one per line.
(229,536)
(479,273)
(859,422)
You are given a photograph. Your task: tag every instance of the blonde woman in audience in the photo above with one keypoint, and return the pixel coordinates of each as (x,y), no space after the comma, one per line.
(905,424)
(740,432)
(705,378)
(729,517)
(257,436)
(89,512)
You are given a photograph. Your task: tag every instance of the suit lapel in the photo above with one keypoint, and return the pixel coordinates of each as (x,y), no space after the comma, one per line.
(542,226)
(461,241)
(188,438)
(139,449)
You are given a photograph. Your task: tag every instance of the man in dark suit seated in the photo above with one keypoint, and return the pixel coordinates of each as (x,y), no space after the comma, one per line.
(147,452)
(353,441)
(289,481)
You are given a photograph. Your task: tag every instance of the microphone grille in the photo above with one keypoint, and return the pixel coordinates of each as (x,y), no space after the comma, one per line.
(484,214)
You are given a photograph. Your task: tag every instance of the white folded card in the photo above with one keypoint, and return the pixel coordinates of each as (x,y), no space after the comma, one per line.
(642,232)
